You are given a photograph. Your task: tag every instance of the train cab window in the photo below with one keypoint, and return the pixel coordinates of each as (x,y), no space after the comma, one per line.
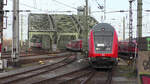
(103,40)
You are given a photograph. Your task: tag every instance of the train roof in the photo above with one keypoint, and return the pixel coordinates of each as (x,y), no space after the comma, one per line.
(105,26)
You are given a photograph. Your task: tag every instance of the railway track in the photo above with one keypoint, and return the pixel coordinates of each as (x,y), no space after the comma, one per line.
(109,77)
(90,79)
(84,76)
(68,78)
(23,54)
(91,75)
(19,77)
(34,59)
(81,76)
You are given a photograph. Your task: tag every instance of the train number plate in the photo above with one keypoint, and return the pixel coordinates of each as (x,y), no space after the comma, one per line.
(100,45)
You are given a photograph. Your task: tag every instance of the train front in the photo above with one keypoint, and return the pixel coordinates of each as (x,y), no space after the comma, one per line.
(103,46)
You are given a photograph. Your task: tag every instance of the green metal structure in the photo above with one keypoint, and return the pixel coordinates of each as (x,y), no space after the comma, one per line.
(148,44)
(41,25)
(58,28)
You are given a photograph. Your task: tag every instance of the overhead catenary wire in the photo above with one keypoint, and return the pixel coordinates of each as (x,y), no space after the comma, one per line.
(65,4)
(100,7)
(32,7)
(35,3)
(120,11)
(39,9)
(103,8)
(134,4)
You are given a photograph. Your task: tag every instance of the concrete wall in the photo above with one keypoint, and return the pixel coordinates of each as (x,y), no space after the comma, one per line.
(143,66)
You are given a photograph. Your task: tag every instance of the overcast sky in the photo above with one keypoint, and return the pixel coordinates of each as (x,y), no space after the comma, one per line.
(43,6)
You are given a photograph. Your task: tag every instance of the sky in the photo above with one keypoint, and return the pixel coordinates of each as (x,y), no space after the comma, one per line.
(51,6)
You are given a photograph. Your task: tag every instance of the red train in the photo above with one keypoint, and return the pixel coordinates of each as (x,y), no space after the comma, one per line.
(36,42)
(127,52)
(74,45)
(36,45)
(103,46)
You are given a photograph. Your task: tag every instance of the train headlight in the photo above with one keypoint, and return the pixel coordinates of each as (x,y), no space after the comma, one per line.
(131,57)
(97,48)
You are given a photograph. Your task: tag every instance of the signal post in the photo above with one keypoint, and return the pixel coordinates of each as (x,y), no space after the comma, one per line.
(15,42)
(85,30)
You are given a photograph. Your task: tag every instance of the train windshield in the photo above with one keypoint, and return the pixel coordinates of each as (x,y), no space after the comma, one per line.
(103,41)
